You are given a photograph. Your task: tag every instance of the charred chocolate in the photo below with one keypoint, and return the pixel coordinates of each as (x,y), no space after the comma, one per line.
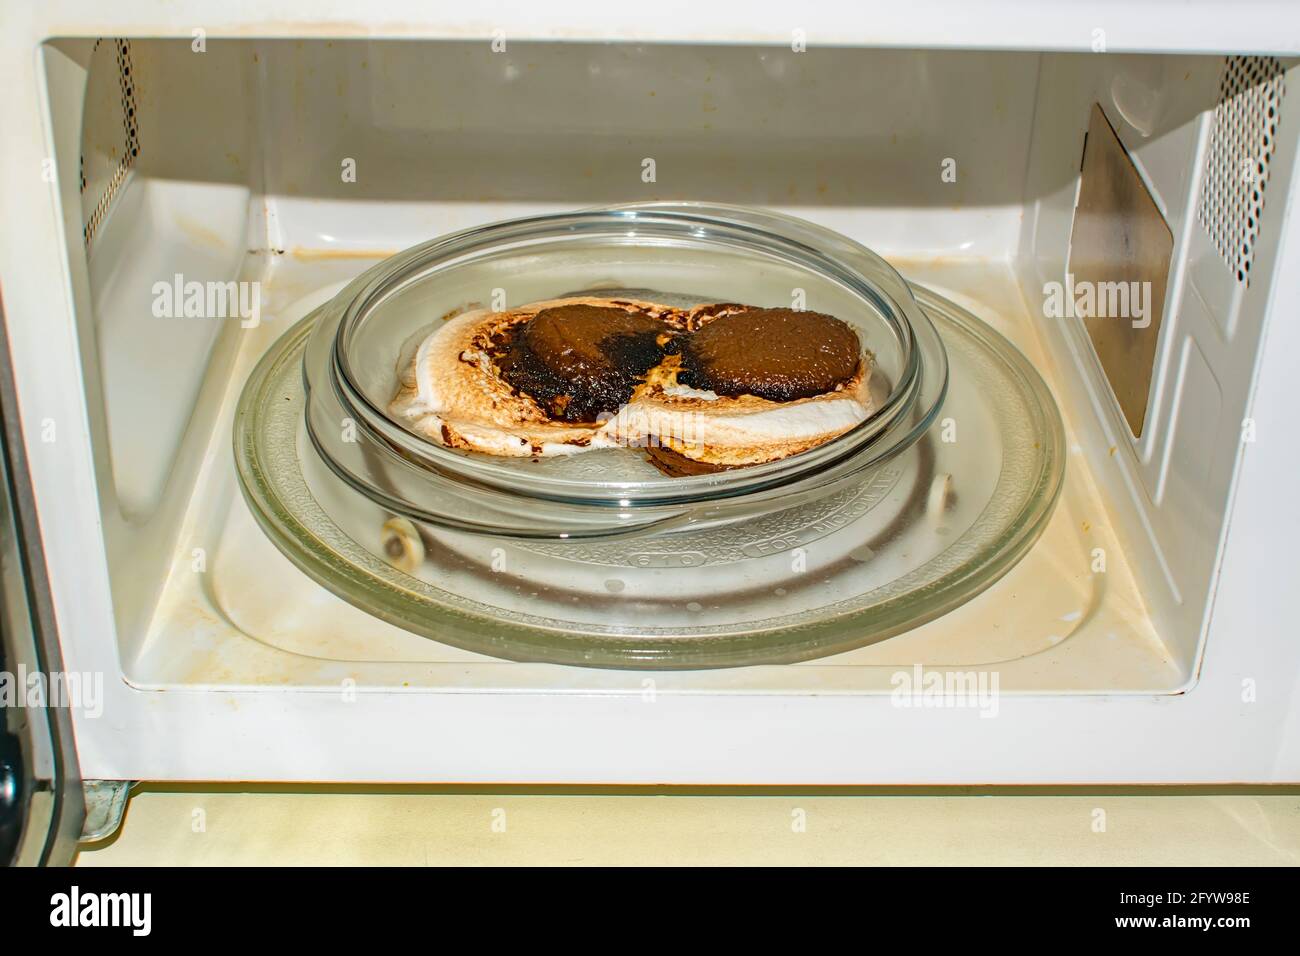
(777,354)
(579,361)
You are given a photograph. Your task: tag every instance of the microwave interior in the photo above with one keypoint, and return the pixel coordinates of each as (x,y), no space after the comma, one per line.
(297,165)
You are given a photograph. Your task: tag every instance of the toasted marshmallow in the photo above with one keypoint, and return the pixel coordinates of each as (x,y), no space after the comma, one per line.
(453,392)
(716,431)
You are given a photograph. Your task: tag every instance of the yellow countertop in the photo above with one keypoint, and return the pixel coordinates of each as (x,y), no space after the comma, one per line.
(514,826)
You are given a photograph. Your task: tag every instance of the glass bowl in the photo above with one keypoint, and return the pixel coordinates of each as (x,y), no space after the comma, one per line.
(699,253)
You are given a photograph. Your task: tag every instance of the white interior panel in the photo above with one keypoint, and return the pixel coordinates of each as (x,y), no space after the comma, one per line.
(456,134)
(961,165)
(1168,489)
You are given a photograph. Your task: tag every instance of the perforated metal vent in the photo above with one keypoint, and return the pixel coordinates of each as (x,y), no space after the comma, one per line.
(106,184)
(1237,163)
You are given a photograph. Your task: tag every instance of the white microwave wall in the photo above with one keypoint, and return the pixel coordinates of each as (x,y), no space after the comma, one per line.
(298,162)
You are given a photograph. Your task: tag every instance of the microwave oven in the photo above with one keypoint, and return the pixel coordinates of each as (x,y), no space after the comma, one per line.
(1145,638)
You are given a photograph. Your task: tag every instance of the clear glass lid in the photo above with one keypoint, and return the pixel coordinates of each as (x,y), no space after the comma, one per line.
(362,340)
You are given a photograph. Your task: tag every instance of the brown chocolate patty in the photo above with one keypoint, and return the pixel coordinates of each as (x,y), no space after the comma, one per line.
(777,354)
(676,465)
(578,361)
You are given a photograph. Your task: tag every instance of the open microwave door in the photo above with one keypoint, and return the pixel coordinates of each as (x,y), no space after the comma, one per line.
(41,806)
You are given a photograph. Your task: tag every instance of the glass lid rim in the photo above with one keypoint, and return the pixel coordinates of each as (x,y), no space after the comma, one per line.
(368,292)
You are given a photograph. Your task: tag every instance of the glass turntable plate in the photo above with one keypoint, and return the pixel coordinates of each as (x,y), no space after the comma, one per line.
(901,544)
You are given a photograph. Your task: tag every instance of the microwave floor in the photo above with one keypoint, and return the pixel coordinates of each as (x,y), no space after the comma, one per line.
(235,613)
